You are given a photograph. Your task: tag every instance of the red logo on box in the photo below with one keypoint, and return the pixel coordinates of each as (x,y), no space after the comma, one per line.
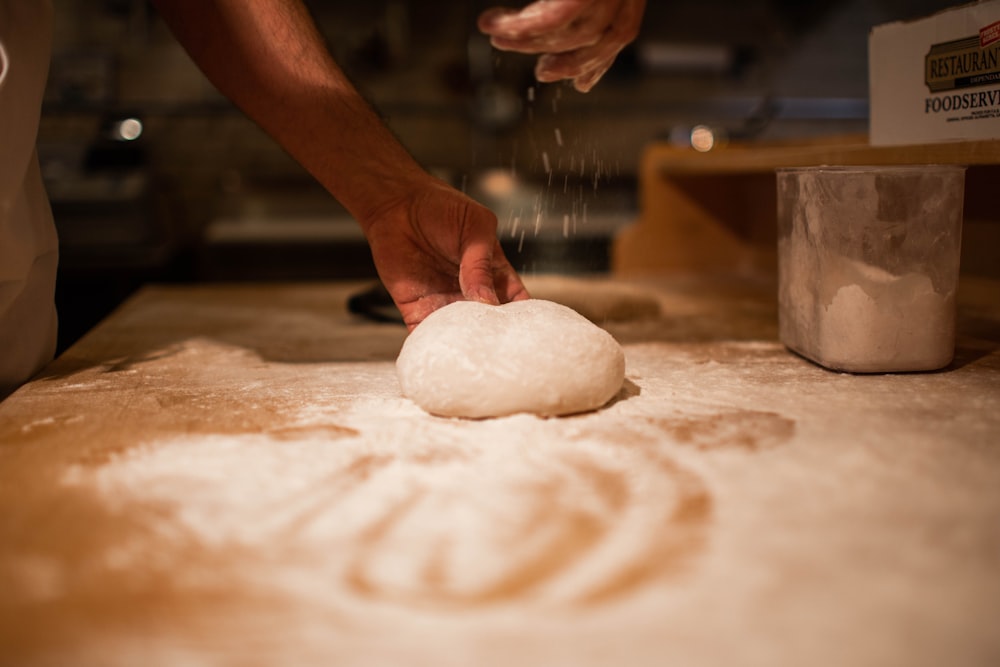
(989,34)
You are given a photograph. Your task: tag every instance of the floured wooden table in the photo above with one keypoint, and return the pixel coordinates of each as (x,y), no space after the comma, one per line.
(229,476)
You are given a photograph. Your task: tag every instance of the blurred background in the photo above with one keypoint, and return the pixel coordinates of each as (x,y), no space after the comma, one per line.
(153,176)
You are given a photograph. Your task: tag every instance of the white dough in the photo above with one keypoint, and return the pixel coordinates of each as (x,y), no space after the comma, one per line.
(469,359)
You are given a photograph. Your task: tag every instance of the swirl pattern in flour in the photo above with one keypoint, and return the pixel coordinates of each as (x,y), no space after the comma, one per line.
(576,526)
(447,523)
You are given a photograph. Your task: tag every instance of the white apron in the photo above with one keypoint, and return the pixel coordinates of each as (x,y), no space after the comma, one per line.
(28,245)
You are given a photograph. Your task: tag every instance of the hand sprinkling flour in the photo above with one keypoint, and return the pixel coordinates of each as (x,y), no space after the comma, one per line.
(575,39)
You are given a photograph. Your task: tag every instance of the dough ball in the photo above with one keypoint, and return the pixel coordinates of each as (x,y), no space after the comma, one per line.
(469,359)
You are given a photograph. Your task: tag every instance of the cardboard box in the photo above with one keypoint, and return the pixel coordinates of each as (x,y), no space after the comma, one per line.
(936,79)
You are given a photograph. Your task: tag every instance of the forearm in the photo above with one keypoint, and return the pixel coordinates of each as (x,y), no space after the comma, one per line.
(272,63)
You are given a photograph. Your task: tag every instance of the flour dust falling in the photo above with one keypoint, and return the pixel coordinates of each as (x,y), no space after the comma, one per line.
(568,168)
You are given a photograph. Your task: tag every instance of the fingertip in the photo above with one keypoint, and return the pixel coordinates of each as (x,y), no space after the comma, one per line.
(585,82)
(488,20)
(544,71)
(523,295)
(510,288)
(476,280)
(416,311)
(487,295)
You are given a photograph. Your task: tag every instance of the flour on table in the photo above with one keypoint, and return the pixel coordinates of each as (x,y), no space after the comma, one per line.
(473,360)
(412,512)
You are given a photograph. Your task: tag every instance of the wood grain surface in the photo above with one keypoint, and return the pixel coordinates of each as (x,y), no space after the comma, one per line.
(228,475)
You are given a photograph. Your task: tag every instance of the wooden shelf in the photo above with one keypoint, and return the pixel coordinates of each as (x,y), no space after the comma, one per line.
(854,150)
(715,211)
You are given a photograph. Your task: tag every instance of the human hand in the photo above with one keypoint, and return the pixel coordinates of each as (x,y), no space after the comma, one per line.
(431,244)
(577,39)
(435,246)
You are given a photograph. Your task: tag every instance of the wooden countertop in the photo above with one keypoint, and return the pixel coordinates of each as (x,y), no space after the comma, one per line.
(228,475)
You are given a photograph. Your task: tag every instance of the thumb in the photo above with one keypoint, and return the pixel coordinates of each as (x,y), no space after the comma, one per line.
(475,273)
